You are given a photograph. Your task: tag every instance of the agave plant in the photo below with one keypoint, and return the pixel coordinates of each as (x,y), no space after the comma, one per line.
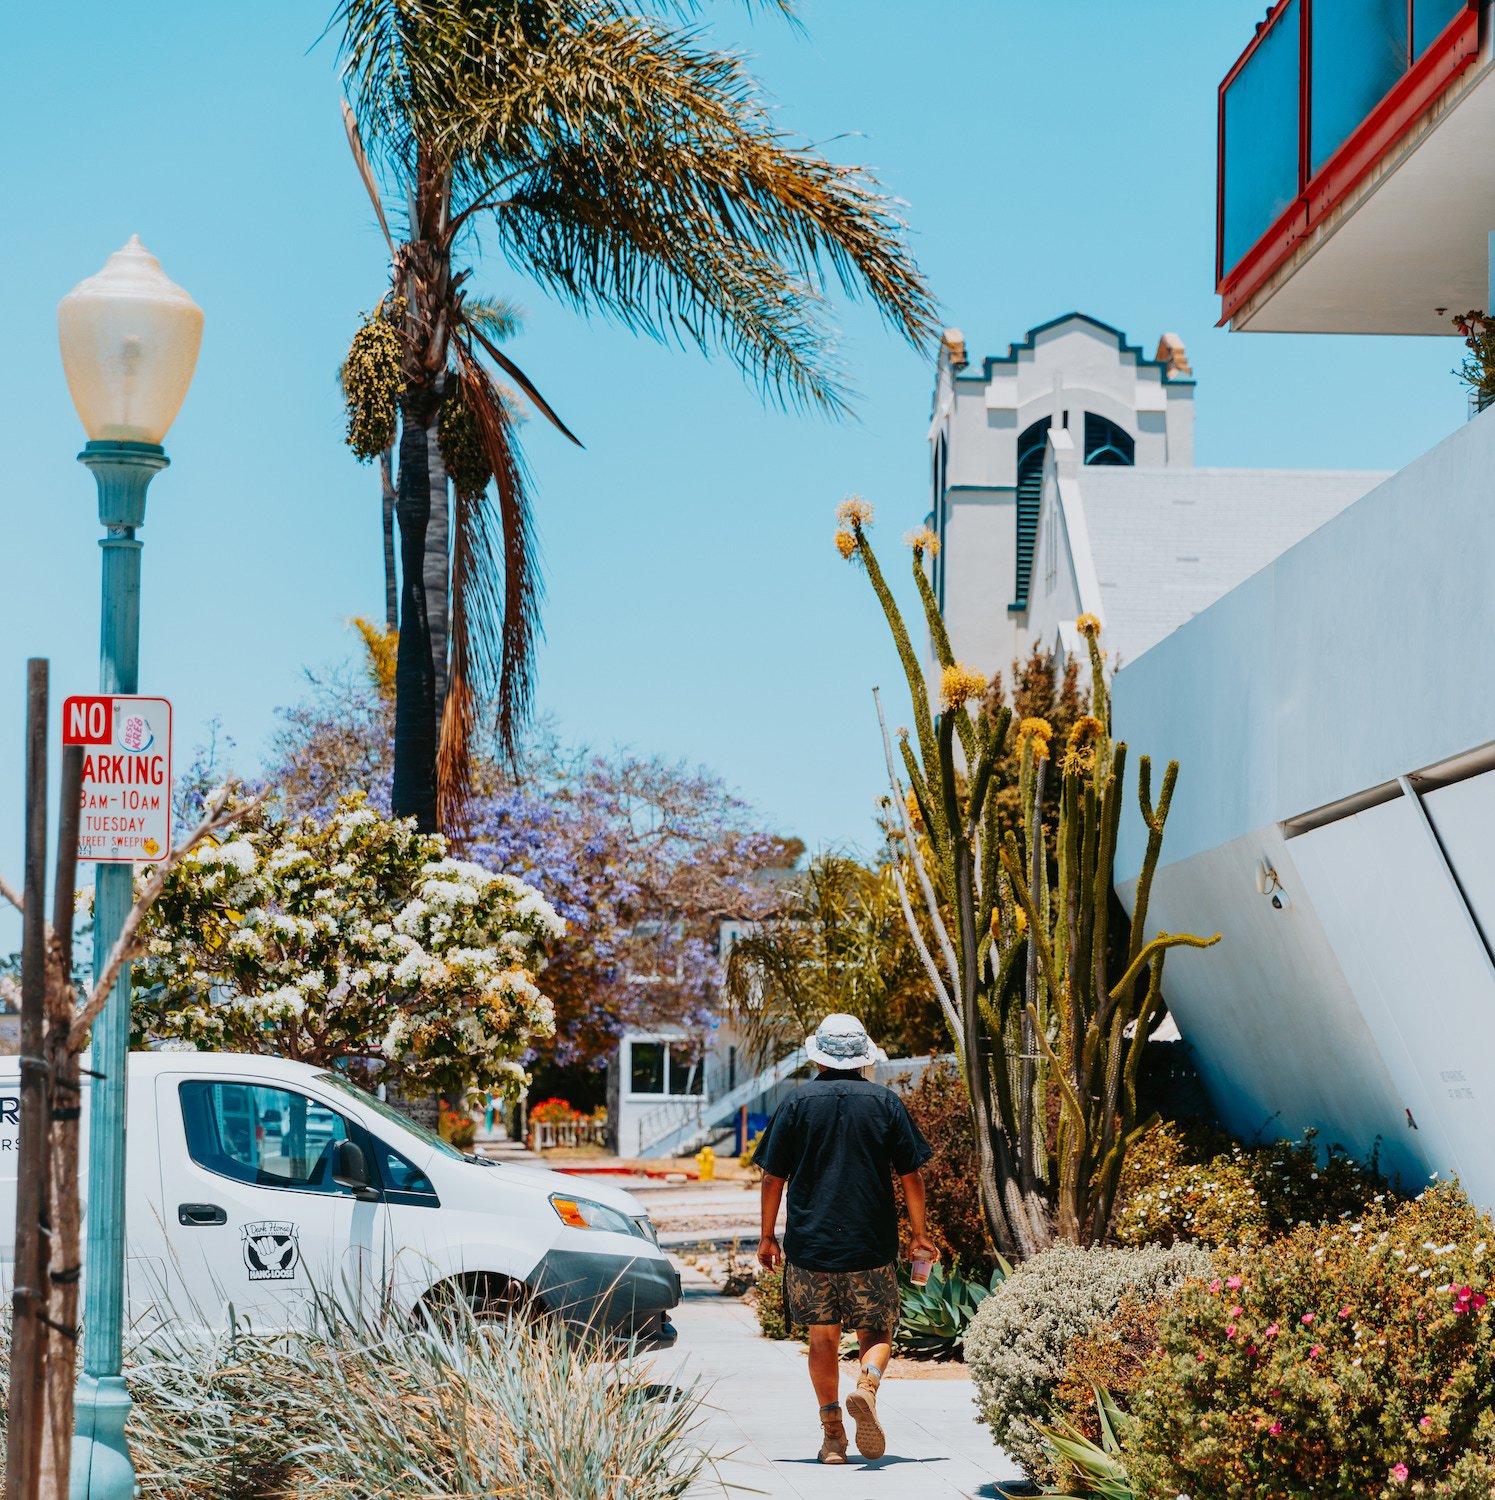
(1087,1468)
(935,1316)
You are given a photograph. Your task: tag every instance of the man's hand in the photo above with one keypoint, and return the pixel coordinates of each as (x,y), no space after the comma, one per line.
(921,1247)
(770,1257)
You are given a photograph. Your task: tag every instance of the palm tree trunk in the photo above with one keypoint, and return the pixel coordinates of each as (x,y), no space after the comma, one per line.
(413,793)
(391,577)
(438,569)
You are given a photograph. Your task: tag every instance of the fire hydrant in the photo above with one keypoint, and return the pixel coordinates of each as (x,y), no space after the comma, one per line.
(706,1161)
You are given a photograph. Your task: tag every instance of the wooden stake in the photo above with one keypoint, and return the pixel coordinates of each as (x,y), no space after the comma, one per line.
(28,1343)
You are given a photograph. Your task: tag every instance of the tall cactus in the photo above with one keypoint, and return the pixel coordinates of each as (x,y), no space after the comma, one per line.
(1041,998)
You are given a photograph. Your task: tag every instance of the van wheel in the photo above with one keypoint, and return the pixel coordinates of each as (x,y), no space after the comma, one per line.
(490,1298)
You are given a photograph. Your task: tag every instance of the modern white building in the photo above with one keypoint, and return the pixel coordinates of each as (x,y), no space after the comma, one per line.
(1063,483)
(1335,815)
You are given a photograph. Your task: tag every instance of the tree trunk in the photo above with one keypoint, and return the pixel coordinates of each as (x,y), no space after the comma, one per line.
(391,576)
(438,565)
(413,793)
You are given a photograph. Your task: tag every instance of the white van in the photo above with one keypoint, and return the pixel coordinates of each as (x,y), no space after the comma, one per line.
(254,1182)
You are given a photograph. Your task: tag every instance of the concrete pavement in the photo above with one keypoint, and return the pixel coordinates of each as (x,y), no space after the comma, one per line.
(760,1419)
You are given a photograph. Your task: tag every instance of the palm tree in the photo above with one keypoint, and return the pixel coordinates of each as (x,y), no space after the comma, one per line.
(627,169)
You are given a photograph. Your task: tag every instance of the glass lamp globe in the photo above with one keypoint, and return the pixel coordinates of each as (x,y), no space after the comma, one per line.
(130,337)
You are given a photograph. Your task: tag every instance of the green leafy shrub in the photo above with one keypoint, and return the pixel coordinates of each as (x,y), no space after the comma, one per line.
(935,1317)
(1191,1184)
(942,1111)
(772,1322)
(1352,1359)
(1018,1344)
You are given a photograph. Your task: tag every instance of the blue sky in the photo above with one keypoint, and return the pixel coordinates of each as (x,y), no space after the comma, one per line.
(1052,157)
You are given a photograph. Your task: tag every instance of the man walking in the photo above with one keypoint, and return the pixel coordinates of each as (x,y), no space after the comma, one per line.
(838,1142)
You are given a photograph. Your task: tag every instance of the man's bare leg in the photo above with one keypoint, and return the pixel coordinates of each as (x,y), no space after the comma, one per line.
(825,1376)
(876,1346)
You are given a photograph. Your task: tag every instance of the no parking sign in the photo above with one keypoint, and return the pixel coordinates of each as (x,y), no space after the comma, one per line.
(125,816)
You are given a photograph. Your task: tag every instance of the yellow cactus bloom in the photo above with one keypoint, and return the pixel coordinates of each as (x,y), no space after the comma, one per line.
(1020,920)
(1078,760)
(855,512)
(915,817)
(1086,728)
(1039,729)
(846,543)
(958,683)
(1088,626)
(923,540)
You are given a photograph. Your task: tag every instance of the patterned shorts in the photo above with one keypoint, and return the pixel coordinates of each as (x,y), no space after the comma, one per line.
(855,1299)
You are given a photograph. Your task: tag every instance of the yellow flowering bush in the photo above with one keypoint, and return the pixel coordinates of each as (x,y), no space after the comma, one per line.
(1179,1184)
(1088,626)
(846,543)
(1356,1358)
(923,540)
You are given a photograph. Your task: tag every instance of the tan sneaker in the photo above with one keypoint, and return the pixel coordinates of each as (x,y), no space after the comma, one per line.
(862,1404)
(833,1437)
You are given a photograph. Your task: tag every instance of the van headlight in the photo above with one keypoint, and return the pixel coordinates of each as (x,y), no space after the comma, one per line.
(582,1213)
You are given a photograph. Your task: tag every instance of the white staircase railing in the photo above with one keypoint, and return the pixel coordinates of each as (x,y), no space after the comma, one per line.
(681,1137)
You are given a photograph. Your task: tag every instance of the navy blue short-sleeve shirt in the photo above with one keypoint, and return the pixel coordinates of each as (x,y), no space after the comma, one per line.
(839,1141)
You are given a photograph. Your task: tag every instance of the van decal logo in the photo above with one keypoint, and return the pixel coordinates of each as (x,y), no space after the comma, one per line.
(271,1250)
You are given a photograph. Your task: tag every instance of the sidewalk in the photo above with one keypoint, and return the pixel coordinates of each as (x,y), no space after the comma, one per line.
(760,1419)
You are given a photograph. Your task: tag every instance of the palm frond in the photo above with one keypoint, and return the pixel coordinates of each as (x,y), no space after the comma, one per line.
(496,595)
(366,171)
(634,171)
(520,379)
(495,317)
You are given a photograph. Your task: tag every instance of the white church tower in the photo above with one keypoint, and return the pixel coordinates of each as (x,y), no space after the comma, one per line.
(989,440)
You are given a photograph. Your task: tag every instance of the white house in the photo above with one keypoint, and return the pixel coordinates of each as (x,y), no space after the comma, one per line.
(1063,483)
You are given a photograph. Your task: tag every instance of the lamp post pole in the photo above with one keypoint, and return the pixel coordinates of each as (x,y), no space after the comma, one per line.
(129,338)
(101,1466)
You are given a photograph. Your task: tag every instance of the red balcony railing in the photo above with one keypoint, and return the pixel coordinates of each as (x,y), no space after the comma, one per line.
(1323,91)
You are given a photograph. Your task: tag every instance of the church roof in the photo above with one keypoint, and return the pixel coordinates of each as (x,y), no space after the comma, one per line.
(1166,543)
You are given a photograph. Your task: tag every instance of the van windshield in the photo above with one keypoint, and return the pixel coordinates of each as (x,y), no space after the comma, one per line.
(404,1122)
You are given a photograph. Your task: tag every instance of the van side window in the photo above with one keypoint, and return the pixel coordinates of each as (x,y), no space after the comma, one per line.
(402,1180)
(266,1136)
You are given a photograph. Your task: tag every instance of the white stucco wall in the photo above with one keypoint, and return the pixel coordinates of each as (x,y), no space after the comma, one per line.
(1361,654)
(1367,1005)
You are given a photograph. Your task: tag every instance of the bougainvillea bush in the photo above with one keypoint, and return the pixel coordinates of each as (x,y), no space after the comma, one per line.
(1195,1183)
(350,941)
(1357,1359)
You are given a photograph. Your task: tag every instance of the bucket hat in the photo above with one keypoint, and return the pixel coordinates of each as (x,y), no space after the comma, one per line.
(842,1042)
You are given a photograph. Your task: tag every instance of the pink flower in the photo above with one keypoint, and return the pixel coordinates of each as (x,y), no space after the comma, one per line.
(1271,1332)
(1199,1358)
(1314,1352)
(1344,1311)
(1230,1332)
(1307,1319)
(1399,1473)
(1479,1299)
(1235,1312)
(1275,1429)
(1425,1423)
(1233,1282)
(1214,1286)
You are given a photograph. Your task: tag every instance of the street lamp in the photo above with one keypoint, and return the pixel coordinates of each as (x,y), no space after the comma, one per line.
(129,340)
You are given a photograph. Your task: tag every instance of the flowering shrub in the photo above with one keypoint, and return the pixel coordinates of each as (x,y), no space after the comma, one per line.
(1018,1344)
(353,941)
(1353,1359)
(1197,1185)
(940,1108)
(553,1110)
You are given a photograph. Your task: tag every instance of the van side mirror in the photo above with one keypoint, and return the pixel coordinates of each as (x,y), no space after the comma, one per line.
(351,1171)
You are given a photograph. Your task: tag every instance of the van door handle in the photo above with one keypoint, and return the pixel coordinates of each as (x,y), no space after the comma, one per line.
(200,1213)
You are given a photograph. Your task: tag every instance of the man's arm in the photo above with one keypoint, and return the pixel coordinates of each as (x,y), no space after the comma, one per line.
(920,1246)
(770,1257)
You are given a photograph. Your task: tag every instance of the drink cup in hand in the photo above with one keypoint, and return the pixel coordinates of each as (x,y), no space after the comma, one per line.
(919,1275)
